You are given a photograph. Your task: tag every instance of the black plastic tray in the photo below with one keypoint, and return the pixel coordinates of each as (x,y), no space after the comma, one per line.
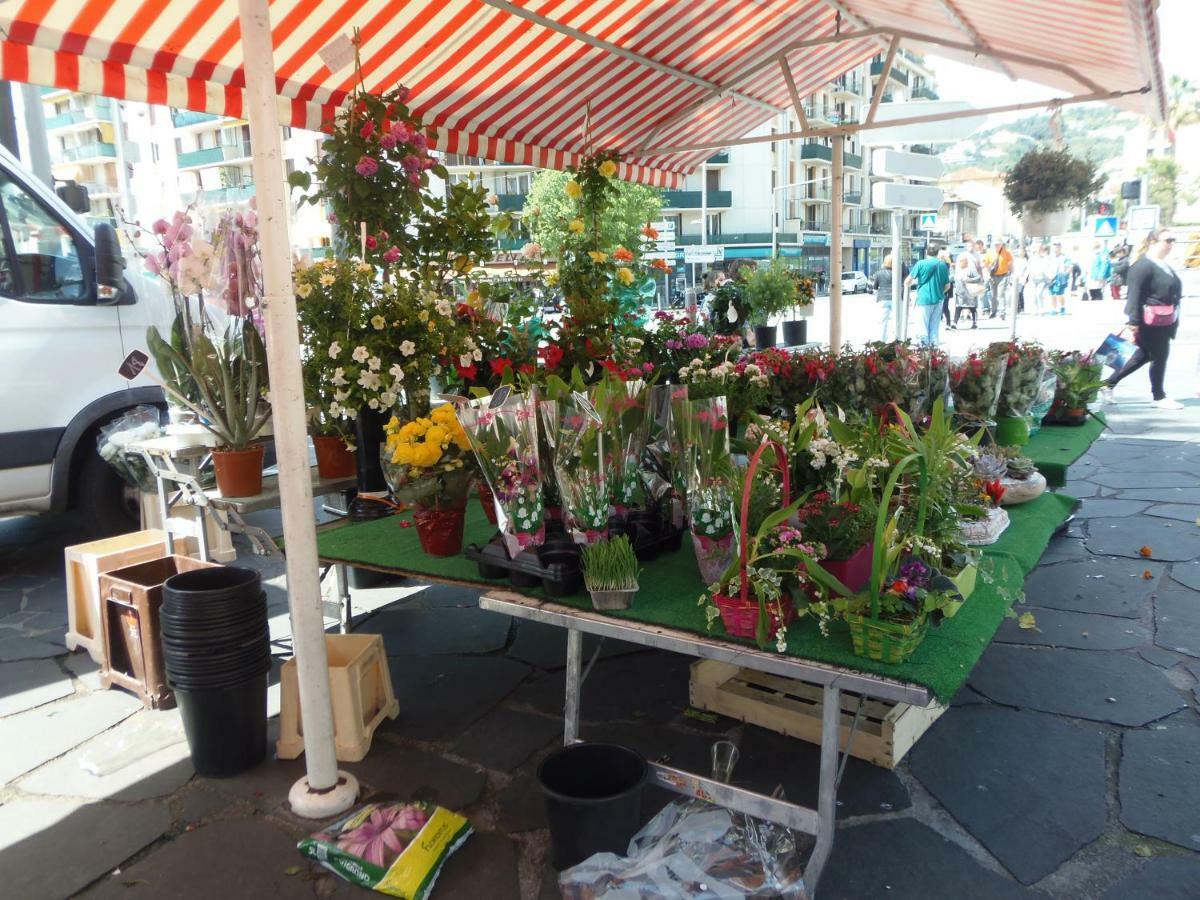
(649,533)
(554,566)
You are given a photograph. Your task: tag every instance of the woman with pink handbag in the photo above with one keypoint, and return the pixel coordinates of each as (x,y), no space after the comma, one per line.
(1152,309)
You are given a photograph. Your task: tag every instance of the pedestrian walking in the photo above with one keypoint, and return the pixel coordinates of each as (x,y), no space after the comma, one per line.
(882,283)
(1120,271)
(1152,313)
(976,251)
(1040,274)
(1098,273)
(930,276)
(948,292)
(998,263)
(1060,279)
(968,288)
(1020,278)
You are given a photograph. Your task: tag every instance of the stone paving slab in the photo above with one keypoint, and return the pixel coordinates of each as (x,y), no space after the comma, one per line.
(15,647)
(441,696)
(901,860)
(434,632)
(1167,540)
(10,602)
(158,774)
(418,775)
(1103,507)
(24,685)
(1137,478)
(1187,574)
(239,858)
(1103,585)
(505,738)
(1163,495)
(1157,656)
(1030,787)
(53,848)
(38,735)
(1104,687)
(1163,878)
(1082,631)
(522,807)
(1181,512)
(1080,489)
(1177,620)
(1160,793)
(1063,549)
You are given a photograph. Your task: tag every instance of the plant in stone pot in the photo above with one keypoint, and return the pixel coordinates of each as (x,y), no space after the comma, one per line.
(610,572)
(769,291)
(1043,183)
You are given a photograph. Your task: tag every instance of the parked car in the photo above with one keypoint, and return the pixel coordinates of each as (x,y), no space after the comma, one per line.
(854,281)
(69,314)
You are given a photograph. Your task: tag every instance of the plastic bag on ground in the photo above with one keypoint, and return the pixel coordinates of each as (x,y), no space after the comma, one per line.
(694,849)
(133,741)
(139,424)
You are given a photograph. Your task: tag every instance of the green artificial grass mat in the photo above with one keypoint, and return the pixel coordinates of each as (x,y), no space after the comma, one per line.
(1055,447)
(671,587)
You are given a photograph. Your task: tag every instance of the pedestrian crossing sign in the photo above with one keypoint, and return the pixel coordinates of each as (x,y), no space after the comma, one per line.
(1104,227)
(928,221)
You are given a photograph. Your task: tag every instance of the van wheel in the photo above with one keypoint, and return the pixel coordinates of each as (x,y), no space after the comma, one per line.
(109,505)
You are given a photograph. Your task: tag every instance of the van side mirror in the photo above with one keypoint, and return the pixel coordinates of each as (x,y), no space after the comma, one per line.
(110,265)
(75,195)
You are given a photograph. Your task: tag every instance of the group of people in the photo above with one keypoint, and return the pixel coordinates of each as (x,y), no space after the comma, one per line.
(1000,283)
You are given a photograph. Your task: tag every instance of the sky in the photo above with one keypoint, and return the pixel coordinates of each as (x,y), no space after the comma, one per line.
(1179,23)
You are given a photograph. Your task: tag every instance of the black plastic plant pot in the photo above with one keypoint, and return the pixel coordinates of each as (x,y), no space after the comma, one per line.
(764,336)
(203,589)
(368,436)
(593,797)
(529,559)
(226,728)
(795,332)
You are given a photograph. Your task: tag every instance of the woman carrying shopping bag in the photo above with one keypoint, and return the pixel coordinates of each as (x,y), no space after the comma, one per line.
(1152,310)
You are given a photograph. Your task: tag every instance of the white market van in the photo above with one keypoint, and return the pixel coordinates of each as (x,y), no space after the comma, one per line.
(69,313)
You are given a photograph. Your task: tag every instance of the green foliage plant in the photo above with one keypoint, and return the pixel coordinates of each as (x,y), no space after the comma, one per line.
(1045,180)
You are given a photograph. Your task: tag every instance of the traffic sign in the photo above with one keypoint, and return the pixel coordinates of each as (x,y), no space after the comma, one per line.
(895,164)
(1104,226)
(1143,218)
(929,221)
(891,195)
(703,254)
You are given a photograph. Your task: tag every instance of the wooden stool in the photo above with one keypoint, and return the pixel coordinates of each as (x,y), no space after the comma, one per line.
(360,686)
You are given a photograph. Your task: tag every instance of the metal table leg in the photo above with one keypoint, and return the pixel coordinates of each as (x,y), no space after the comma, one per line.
(571,707)
(343,591)
(831,723)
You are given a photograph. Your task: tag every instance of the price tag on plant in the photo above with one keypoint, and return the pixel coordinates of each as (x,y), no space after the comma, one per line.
(132,367)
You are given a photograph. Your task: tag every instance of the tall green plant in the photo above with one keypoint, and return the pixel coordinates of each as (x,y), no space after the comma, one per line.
(769,290)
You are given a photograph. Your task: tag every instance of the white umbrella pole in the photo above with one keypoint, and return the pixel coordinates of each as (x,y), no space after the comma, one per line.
(325,791)
(835,250)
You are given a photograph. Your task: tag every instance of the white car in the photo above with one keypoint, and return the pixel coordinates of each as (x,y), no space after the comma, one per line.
(69,314)
(854,281)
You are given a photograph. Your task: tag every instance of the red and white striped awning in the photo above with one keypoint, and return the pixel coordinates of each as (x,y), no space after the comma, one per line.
(516,80)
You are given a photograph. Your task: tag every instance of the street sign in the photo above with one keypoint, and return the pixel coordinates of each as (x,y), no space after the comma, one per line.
(703,254)
(664,226)
(895,164)
(946,131)
(1143,218)
(660,254)
(890,195)
(664,246)
(929,221)
(1104,227)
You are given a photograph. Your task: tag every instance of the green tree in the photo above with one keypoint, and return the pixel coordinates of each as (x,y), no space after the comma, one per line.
(548,209)
(1183,108)
(1166,185)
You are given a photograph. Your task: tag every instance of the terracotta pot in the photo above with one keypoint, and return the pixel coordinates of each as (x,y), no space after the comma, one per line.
(741,619)
(854,572)
(239,472)
(441,530)
(333,459)
(487,500)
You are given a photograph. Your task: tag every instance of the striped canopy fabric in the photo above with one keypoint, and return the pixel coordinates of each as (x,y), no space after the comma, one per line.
(540,82)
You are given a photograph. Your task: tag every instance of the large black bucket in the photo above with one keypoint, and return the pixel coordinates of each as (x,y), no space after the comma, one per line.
(593,799)
(226,728)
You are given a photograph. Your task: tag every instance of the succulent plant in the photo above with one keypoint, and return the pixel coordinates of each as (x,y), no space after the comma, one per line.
(1020,468)
(990,466)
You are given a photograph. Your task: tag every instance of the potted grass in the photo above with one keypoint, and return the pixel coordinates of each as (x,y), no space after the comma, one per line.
(610,573)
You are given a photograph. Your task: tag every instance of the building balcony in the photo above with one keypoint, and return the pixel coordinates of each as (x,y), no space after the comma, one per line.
(462,161)
(879,229)
(719,159)
(691,199)
(100,112)
(181,118)
(213,156)
(895,74)
(510,202)
(226,196)
(817,224)
(821,153)
(924,92)
(85,152)
(846,86)
(854,198)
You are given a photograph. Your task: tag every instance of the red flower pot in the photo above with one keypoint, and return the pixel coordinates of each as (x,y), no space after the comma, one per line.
(487,500)
(333,459)
(440,530)
(239,472)
(855,572)
(741,619)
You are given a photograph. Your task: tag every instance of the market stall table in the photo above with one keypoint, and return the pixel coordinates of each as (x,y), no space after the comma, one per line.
(1055,447)
(666,616)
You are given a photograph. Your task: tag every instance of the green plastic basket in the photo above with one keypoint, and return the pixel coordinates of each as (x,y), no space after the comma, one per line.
(888,642)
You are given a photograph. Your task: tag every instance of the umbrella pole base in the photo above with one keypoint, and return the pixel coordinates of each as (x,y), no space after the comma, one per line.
(311,804)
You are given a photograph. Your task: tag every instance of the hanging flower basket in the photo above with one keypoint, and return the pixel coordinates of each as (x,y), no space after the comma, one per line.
(740,617)
(889,642)
(440,529)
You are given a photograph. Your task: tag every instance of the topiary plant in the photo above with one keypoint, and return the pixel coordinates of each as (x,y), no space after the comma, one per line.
(1045,180)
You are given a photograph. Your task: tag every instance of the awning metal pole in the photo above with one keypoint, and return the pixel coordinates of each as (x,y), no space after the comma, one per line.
(835,250)
(325,791)
(899,299)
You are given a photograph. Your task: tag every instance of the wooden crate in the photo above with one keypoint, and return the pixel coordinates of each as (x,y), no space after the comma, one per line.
(886,731)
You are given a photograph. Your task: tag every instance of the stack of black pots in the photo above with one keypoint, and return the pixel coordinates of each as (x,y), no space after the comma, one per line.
(217,654)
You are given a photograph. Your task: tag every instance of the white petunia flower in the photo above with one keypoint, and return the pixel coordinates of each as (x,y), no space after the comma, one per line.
(339,377)
(335,350)
(397,371)
(360,354)
(378,322)
(408,348)
(369,380)
(374,363)
(443,307)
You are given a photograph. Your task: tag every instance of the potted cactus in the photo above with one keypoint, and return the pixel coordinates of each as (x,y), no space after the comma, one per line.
(610,572)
